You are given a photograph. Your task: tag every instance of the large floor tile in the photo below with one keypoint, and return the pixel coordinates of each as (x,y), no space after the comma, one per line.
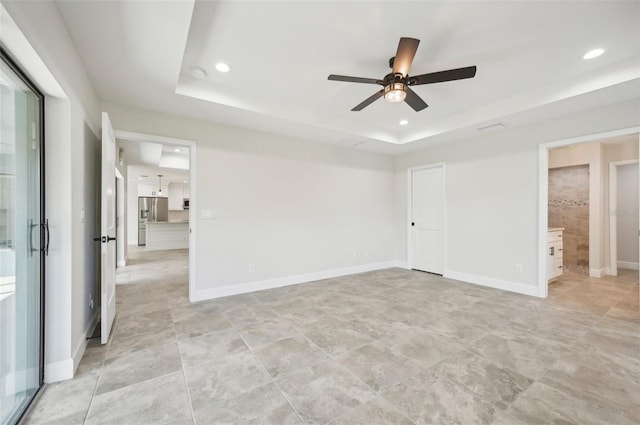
(200,324)
(424,346)
(65,402)
(542,404)
(377,411)
(337,340)
(268,331)
(323,392)
(139,366)
(524,353)
(463,388)
(289,354)
(224,377)
(378,366)
(261,406)
(203,348)
(161,400)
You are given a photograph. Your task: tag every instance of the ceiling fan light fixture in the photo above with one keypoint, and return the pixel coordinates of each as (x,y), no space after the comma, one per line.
(395,92)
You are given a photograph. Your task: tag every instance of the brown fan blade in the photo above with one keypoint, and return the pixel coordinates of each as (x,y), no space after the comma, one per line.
(415,101)
(333,77)
(442,76)
(377,95)
(407,48)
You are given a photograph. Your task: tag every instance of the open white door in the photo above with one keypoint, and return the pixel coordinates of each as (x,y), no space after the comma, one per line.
(108,229)
(427,219)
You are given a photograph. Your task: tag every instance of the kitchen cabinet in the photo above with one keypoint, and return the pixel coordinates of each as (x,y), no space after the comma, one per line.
(146,189)
(177,193)
(175,196)
(555,249)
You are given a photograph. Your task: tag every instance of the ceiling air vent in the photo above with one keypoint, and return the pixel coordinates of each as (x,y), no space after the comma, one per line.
(351,143)
(492,127)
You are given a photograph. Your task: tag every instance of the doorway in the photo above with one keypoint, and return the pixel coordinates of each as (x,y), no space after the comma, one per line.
(24,237)
(158,167)
(607,147)
(624,215)
(427,218)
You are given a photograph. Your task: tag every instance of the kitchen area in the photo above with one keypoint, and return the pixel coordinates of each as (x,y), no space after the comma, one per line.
(160,228)
(163,221)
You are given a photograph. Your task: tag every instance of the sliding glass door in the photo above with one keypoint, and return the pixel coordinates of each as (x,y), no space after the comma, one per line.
(23,239)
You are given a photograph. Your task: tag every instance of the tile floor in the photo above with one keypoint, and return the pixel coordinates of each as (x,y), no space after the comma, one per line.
(388,347)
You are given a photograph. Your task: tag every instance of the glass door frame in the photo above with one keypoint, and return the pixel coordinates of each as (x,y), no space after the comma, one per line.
(13,65)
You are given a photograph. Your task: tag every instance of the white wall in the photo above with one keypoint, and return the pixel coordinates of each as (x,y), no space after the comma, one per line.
(627,216)
(132,212)
(492,195)
(44,48)
(289,207)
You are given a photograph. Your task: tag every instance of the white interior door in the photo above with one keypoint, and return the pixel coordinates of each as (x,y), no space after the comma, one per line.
(427,219)
(108,229)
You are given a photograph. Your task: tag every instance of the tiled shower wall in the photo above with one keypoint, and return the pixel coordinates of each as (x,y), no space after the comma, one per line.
(569,208)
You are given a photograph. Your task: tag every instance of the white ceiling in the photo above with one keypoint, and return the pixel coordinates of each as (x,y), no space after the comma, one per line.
(145,160)
(528,55)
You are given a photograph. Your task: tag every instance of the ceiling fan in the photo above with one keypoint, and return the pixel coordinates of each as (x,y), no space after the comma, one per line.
(396,85)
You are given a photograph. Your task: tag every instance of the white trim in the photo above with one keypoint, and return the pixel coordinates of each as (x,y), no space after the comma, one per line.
(597,272)
(260,285)
(58,371)
(410,171)
(82,344)
(121,263)
(191,144)
(628,265)
(543,195)
(490,282)
(402,265)
(613,218)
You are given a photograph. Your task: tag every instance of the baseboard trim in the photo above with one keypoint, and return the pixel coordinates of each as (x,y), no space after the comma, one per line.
(82,344)
(402,264)
(260,285)
(58,371)
(505,285)
(596,272)
(122,263)
(628,265)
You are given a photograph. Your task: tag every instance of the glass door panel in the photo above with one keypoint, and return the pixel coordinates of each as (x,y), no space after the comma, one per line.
(21,243)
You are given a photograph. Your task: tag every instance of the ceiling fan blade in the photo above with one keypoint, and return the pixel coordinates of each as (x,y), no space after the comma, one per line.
(333,77)
(415,101)
(442,76)
(407,48)
(377,95)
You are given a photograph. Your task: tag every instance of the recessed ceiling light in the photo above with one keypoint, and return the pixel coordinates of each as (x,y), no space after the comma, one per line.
(403,122)
(593,53)
(223,67)
(199,73)
(176,150)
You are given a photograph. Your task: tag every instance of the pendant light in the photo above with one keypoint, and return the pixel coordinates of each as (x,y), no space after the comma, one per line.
(159,184)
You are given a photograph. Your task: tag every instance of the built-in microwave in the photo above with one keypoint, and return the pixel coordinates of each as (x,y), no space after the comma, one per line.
(185,203)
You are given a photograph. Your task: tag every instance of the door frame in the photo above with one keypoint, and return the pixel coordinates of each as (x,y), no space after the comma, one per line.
(613,218)
(21,72)
(410,171)
(193,234)
(543,194)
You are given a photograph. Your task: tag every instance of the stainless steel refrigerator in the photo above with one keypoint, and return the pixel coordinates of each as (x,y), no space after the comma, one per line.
(150,209)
